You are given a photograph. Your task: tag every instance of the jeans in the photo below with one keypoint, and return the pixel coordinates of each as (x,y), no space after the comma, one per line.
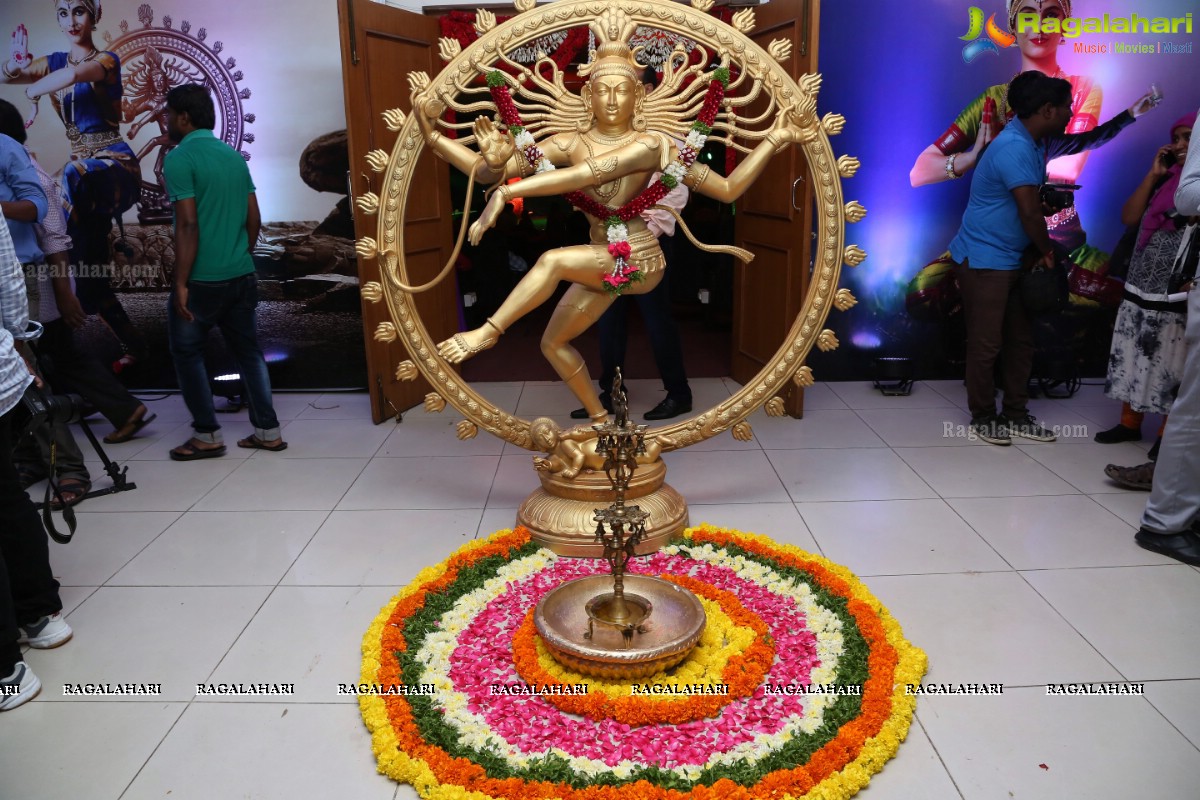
(28,590)
(228,305)
(1175,499)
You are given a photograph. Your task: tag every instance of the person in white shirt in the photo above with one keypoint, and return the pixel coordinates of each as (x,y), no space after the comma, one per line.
(30,608)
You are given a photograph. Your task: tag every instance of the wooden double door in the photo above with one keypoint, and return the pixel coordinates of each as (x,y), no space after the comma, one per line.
(381,45)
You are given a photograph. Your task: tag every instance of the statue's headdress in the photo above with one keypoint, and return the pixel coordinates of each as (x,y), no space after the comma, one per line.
(613,30)
(1014,6)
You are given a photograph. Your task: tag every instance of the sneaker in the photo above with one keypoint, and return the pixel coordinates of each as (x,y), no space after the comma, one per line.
(1028,428)
(18,688)
(993,430)
(46,633)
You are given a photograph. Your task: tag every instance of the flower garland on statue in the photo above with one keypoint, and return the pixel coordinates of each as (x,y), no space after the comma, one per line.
(623,272)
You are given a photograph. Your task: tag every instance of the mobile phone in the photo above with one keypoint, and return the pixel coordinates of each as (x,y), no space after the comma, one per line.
(1168,158)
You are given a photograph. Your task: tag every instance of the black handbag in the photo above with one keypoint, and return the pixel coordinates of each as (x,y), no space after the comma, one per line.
(1044,291)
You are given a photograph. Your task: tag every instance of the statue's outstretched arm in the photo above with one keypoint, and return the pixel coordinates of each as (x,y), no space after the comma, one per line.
(592,172)
(793,125)
(464,159)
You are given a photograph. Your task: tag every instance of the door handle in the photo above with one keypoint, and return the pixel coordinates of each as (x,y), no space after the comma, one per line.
(350,193)
(795,184)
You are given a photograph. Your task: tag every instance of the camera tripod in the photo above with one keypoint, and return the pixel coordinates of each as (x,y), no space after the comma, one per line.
(115,472)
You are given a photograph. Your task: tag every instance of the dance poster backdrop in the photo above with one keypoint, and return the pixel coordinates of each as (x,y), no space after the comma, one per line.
(274,70)
(903,73)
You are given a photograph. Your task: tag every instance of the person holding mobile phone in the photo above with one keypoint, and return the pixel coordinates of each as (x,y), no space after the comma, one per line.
(1147,354)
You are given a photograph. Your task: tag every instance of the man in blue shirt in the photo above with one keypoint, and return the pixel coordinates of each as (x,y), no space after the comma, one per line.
(21,199)
(1003,217)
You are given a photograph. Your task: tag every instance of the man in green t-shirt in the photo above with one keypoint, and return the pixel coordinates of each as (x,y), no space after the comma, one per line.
(216,223)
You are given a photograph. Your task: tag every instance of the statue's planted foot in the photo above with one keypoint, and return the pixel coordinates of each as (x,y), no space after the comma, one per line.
(461,346)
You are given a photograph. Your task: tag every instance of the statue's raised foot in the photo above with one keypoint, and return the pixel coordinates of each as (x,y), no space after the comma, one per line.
(461,346)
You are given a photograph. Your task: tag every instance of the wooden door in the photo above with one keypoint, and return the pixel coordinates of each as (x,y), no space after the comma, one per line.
(380,46)
(774,220)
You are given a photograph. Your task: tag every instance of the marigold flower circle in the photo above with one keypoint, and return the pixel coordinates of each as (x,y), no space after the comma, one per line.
(463,625)
(736,650)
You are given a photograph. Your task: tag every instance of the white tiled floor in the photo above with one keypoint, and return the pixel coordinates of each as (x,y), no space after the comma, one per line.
(1014,566)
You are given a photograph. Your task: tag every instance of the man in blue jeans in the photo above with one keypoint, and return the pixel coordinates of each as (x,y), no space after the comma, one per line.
(216,222)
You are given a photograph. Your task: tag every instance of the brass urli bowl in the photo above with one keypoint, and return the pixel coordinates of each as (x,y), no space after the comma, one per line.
(669,635)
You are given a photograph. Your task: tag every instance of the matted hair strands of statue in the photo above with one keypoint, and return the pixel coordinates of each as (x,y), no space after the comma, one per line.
(1015,6)
(613,30)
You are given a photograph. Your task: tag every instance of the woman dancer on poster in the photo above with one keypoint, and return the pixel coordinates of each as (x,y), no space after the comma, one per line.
(933,293)
(603,164)
(103,179)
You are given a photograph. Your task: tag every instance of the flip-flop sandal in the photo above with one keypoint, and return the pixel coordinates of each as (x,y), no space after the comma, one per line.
(72,490)
(255,443)
(192,453)
(129,429)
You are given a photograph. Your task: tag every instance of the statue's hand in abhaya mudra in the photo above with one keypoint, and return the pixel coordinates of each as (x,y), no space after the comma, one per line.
(496,146)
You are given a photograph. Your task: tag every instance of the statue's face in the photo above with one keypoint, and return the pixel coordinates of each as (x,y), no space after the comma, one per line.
(543,438)
(613,98)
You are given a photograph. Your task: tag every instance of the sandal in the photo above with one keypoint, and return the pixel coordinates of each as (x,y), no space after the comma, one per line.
(72,491)
(252,442)
(131,428)
(1139,478)
(29,474)
(188,451)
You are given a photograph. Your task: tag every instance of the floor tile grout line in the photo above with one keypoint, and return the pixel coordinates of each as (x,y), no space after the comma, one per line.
(979,533)
(1132,527)
(267,598)
(938,753)
(178,516)
(154,750)
(1186,738)
(1071,625)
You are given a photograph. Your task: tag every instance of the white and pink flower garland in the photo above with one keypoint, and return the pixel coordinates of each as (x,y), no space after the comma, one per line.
(623,272)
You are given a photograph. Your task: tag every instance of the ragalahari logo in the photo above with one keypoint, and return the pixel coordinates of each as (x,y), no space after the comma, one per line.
(996,40)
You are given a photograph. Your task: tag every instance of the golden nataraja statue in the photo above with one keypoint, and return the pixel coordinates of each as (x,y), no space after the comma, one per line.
(616,138)
(613,149)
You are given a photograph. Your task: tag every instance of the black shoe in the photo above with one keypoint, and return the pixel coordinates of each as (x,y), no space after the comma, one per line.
(993,430)
(605,400)
(669,409)
(1027,427)
(1184,546)
(1153,454)
(1119,433)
